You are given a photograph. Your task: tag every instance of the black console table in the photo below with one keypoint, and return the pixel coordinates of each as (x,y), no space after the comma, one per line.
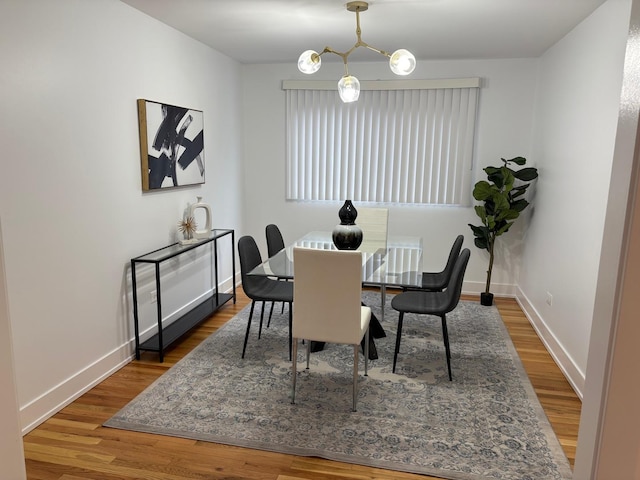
(169,334)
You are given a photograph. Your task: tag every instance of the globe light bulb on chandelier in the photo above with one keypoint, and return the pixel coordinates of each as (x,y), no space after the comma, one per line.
(401,62)
(349,88)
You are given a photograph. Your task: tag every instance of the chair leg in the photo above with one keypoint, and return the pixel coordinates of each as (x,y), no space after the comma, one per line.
(290,329)
(261,318)
(356,347)
(270,313)
(246,335)
(294,373)
(445,336)
(308,352)
(366,353)
(398,335)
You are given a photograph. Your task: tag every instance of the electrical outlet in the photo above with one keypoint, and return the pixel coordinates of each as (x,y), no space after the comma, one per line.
(549,299)
(153,296)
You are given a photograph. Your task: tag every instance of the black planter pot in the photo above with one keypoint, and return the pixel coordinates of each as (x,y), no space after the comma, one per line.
(486,299)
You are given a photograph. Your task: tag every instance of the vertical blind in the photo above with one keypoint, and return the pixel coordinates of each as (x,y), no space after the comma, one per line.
(393,145)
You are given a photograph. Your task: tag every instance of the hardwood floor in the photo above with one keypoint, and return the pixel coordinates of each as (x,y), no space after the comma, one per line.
(72,445)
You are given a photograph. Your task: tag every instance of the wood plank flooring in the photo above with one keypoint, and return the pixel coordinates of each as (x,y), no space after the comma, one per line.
(72,445)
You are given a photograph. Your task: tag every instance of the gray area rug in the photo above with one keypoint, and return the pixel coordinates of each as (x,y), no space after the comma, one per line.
(485,424)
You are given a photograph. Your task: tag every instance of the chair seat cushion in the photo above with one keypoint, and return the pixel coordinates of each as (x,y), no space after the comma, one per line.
(420,302)
(434,281)
(269,290)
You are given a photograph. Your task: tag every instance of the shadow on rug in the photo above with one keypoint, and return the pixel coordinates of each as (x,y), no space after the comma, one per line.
(485,424)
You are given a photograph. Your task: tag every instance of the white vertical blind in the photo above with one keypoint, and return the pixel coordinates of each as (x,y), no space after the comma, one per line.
(391,146)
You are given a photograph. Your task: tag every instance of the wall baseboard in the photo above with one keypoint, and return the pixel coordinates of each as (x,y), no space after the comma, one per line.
(567,366)
(48,404)
(51,402)
(498,289)
(574,376)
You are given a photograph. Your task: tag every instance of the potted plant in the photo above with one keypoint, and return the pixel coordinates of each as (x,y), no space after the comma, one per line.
(502,200)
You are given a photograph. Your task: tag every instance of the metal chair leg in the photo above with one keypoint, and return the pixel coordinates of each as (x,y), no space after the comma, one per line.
(246,335)
(270,314)
(356,347)
(261,318)
(398,335)
(366,353)
(290,329)
(294,374)
(445,336)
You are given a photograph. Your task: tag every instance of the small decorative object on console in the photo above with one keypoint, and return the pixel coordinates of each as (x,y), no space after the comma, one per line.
(347,235)
(187,227)
(200,206)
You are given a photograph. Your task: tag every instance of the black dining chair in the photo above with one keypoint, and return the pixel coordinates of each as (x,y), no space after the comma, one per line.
(423,302)
(437,281)
(259,288)
(275,244)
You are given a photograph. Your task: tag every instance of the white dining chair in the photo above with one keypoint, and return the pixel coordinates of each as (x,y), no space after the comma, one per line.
(327,306)
(374,222)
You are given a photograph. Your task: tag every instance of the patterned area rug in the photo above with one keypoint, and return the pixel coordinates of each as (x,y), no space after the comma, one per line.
(485,424)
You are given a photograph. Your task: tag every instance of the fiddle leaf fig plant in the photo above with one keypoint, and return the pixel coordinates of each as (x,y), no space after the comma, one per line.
(502,200)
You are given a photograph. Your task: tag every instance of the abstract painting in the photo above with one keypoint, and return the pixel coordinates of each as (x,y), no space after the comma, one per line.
(171,145)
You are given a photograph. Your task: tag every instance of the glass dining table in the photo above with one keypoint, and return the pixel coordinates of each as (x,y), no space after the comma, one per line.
(398,263)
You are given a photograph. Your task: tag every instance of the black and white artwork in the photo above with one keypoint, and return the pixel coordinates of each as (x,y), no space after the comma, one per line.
(171,145)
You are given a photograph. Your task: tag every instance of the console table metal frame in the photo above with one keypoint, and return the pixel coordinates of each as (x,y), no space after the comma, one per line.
(172,332)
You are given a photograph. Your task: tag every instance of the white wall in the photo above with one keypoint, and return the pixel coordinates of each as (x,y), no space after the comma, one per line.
(575,128)
(503,130)
(11,448)
(70,197)
(609,436)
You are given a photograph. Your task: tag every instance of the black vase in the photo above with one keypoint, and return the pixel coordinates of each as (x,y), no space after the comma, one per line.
(347,235)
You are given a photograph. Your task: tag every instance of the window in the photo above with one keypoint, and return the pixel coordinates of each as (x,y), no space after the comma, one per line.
(401,142)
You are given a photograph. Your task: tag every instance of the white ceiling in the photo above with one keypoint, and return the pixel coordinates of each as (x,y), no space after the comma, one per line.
(273,31)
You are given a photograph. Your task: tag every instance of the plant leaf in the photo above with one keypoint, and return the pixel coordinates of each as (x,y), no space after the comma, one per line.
(483,190)
(481,236)
(517,160)
(526,174)
(509,214)
(519,205)
(481,212)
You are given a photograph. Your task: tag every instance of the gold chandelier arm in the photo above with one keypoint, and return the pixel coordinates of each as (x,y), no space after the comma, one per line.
(381,52)
(340,54)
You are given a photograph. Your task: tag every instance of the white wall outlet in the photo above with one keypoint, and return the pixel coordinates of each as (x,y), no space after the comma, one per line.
(153,296)
(549,299)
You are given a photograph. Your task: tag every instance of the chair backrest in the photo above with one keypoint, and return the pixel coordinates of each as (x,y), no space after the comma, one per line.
(454,287)
(250,258)
(275,242)
(374,224)
(453,256)
(327,290)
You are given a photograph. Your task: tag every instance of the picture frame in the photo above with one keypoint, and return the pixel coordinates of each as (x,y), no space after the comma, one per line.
(171,145)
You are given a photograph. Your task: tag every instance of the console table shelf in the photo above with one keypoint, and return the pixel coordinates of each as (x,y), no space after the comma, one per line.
(169,334)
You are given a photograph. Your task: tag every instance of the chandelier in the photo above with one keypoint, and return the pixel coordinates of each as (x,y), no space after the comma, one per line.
(401,62)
